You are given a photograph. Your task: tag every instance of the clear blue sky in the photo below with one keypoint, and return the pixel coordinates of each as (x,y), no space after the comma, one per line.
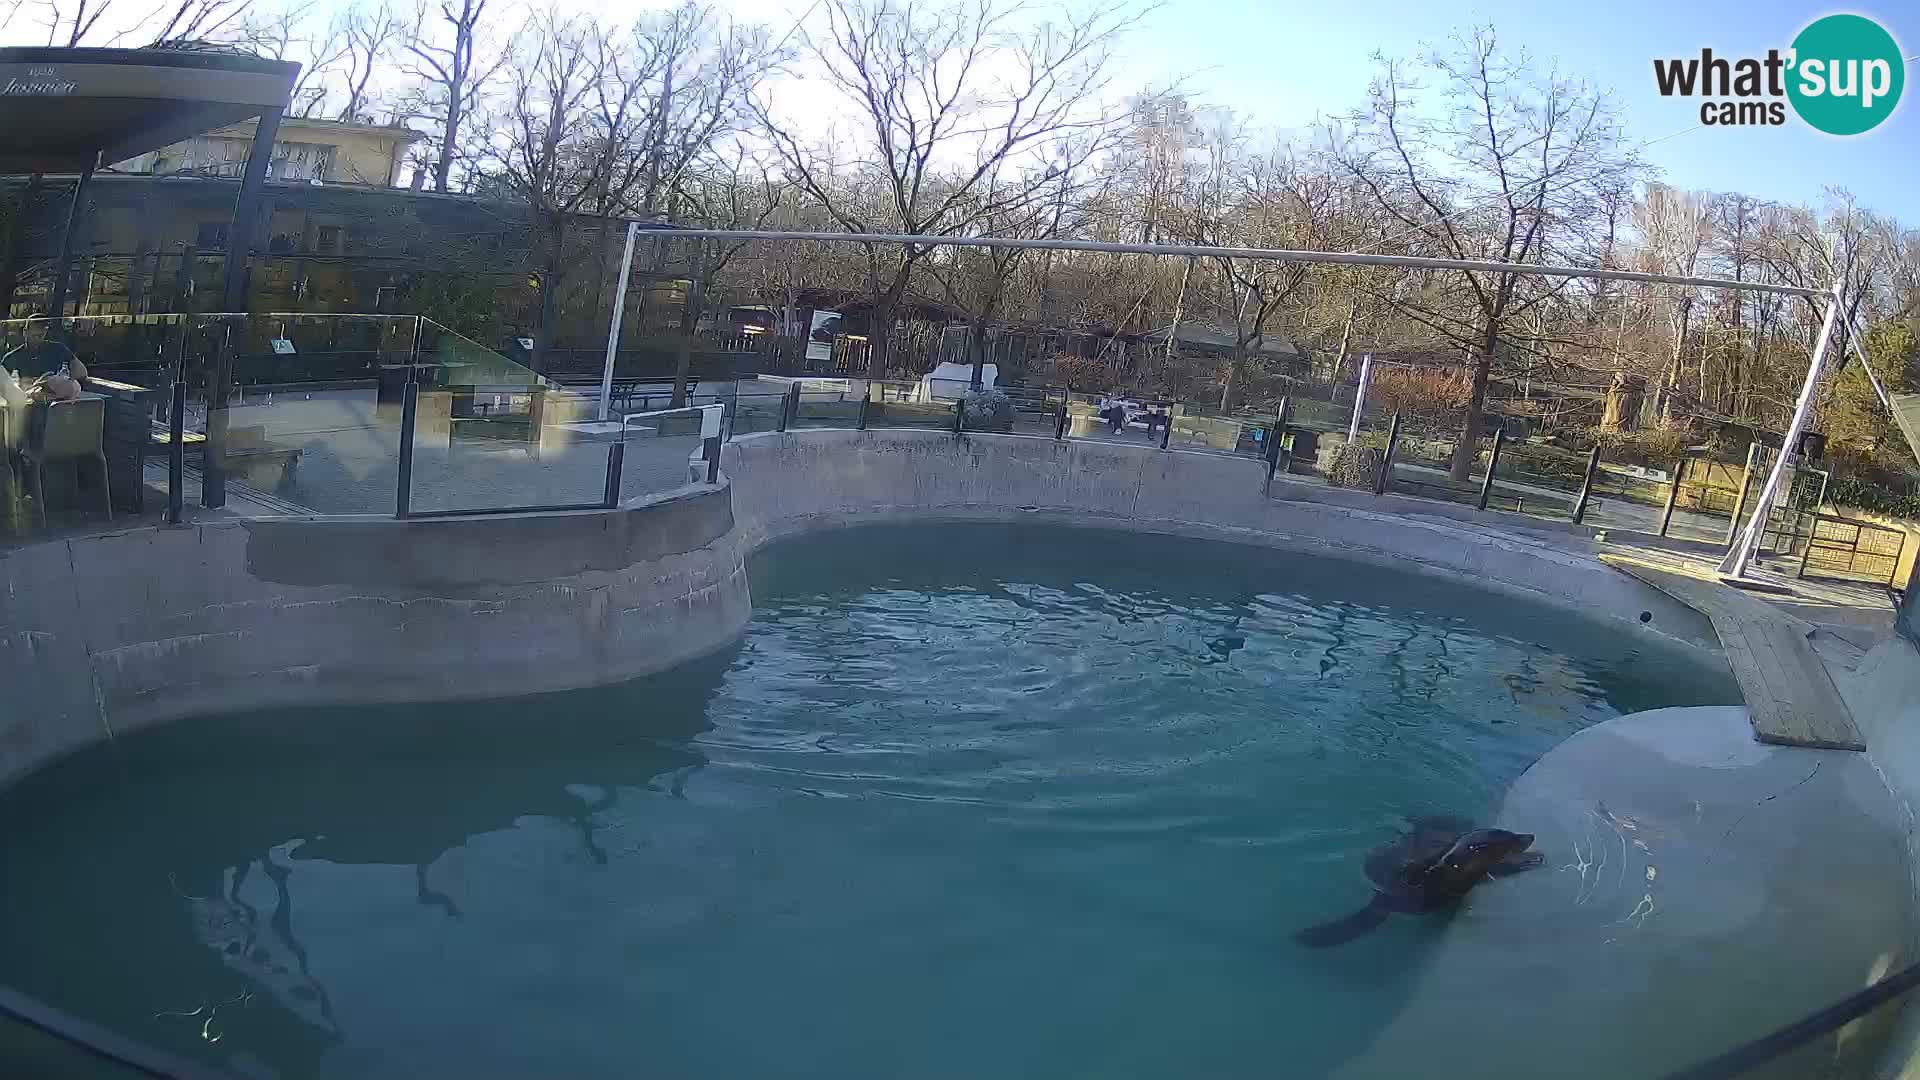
(1283,63)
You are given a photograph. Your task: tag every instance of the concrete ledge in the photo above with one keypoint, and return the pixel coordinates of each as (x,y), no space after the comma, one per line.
(797,481)
(105,634)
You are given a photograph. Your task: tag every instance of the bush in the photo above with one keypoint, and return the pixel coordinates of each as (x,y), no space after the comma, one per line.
(1657,448)
(1866,495)
(987,410)
(1355,466)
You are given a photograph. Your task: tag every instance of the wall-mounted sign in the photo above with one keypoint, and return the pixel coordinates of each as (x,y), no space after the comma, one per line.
(282,347)
(37,82)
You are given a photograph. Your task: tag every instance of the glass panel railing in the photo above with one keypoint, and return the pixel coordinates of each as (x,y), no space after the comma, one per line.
(312,411)
(903,404)
(668,449)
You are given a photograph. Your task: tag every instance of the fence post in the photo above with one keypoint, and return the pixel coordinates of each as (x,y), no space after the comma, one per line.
(712,448)
(1386,460)
(1673,494)
(403,488)
(1166,429)
(787,406)
(616,457)
(1060,424)
(1280,439)
(177,453)
(1493,463)
(866,402)
(1740,500)
(1586,485)
(959,415)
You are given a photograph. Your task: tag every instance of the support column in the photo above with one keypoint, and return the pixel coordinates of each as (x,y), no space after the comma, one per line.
(63,266)
(233,298)
(1735,564)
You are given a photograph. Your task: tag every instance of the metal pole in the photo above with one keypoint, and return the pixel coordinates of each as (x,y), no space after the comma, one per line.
(1280,437)
(1060,423)
(63,268)
(866,403)
(1740,499)
(1204,251)
(177,453)
(1386,460)
(959,415)
(613,328)
(1735,564)
(403,487)
(1360,397)
(1166,430)
(1586,485)
(711,448)
(616,458)
(1493,463)
(1673,493)
(213,471)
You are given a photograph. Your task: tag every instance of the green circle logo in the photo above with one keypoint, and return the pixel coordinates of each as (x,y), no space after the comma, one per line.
(1847,74)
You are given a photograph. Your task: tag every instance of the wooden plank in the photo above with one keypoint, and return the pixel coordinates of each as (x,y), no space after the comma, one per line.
(1791,699)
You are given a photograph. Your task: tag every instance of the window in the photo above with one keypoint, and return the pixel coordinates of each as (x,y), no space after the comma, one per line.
(326,239)
(211,236)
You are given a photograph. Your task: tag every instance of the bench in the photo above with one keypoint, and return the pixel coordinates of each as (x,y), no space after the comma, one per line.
(625,390)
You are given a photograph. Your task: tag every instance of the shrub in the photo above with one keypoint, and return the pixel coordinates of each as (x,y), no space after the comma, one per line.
(1866,495)
(1355,466)
(987,410)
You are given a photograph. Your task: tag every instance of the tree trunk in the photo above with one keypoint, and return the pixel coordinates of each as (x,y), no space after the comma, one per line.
(880,328)
(443,165)
(977,349)
(689,318)
(1346,338)
(1467,451)
(1236,374)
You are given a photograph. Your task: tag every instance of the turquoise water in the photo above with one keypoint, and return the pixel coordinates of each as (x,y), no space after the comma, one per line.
(966,801)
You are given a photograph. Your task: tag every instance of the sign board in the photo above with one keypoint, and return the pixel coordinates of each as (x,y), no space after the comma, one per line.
(282,347)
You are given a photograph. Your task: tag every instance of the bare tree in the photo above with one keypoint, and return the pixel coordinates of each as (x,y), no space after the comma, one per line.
(1676,228)
(948,99)
(287,33)
(1502,167)
(453,69)
(367,37)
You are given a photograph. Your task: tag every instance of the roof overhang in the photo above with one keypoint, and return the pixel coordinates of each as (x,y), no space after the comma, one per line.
(62,110)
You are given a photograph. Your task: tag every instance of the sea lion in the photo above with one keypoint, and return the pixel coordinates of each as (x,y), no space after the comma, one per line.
(1429,868)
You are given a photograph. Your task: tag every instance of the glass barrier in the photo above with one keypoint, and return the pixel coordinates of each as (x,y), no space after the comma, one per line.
(903,404)
(663,450)
(312,417)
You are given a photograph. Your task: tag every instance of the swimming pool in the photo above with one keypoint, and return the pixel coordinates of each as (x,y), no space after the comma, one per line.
(966,800)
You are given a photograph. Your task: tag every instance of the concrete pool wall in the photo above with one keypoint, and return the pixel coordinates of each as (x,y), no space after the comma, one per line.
(103,634)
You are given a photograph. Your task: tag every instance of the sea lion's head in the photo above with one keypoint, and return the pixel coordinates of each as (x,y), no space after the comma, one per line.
(1473,855)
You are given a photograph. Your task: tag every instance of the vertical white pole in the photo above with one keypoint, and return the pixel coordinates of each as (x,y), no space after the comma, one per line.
(1735,564)
(1360,396)
(613,330)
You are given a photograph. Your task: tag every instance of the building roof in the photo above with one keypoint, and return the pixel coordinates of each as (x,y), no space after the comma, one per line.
(113,104)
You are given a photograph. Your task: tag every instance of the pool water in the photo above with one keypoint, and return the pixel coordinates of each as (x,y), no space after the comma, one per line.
(965,801)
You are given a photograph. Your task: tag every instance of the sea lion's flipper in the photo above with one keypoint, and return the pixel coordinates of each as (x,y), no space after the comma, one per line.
(1341,931)
(1514,864)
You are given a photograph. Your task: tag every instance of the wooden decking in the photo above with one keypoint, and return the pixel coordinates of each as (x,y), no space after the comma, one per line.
(1790,697)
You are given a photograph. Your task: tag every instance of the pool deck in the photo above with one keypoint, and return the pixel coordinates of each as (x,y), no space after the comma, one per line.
(1791,699)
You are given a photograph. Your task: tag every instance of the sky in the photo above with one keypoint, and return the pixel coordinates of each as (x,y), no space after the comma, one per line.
(1285,63)
(1288,63)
